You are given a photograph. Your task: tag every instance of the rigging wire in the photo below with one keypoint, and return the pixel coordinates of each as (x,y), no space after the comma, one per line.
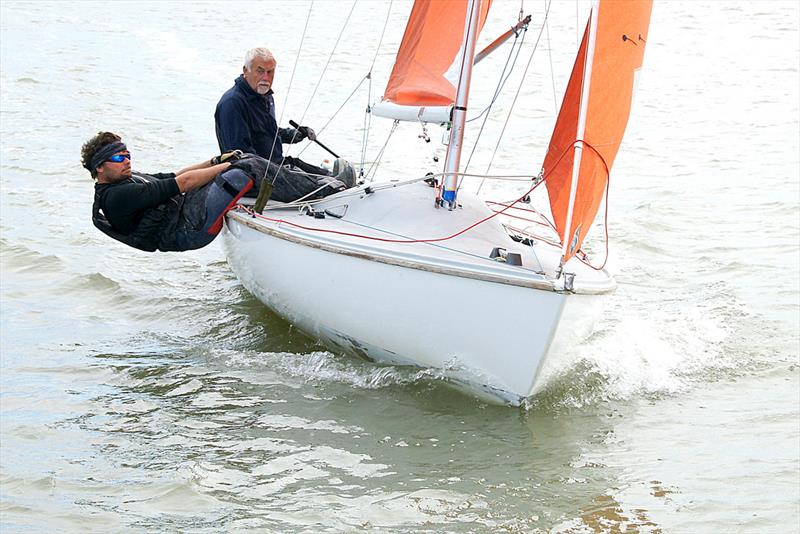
(524,30)
(508,206)
(367,114)
(367,126)
(550,56)
(289,89)
(321,76)
(503,79)
(405,241)
(375,164)
(580,255)
(328,62)
(516,96)
(353,92)
(368,76)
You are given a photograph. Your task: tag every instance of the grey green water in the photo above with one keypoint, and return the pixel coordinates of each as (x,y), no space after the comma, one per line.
(150,393)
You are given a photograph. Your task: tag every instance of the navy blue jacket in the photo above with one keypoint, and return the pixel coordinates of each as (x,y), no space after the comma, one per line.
(245,120)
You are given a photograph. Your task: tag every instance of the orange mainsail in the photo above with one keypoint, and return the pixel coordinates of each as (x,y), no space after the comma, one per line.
(593,116)
(434,35)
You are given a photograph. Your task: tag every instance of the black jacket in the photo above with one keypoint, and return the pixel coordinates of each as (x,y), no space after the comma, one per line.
(245,120)
(141,212)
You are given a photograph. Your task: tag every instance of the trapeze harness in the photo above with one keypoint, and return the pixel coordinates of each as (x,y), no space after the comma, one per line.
(169,226)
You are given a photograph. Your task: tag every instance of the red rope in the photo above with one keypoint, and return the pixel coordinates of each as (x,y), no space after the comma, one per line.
(605,216)
(385,240)
(470,227)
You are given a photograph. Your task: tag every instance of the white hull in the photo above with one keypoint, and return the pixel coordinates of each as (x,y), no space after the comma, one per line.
(487,326)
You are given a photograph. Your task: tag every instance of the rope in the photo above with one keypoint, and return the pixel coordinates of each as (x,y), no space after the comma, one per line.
(608,182)
(605,228)
(404,241)
(506,208)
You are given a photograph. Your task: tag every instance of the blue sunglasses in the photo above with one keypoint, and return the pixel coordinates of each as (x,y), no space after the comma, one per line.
(119,158)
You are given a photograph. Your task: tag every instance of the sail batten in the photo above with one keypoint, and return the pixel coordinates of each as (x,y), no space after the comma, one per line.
(593,116)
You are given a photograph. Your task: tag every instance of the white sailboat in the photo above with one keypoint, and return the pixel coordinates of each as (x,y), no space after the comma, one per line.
(408,271)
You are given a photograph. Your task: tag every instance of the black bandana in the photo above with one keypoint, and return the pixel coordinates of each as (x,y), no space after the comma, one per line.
(106,152)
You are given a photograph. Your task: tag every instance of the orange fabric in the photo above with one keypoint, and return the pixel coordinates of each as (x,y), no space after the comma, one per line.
(433,37)
(622,27)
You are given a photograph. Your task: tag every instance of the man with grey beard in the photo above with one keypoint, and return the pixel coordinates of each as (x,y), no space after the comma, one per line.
(245,120)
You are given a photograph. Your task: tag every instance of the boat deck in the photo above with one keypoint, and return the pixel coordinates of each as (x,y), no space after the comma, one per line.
(398,223)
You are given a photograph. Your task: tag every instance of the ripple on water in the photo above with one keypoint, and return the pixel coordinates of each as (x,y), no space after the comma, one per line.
(175,498)
(21,259)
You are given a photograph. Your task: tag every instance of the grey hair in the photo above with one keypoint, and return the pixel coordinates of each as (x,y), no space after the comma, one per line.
(254,53)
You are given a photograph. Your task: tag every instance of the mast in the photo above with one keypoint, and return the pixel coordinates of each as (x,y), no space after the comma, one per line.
(453,159)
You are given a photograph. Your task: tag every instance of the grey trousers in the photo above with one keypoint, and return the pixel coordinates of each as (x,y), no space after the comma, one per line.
(291,181)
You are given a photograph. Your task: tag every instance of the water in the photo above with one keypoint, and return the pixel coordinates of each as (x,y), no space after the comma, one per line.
(150,392)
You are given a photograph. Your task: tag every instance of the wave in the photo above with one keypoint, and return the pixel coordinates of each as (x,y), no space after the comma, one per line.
(325,367)
(21,259)
(703,336)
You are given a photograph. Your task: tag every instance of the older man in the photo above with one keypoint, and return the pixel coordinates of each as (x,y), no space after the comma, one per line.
(245,120)
(163,211)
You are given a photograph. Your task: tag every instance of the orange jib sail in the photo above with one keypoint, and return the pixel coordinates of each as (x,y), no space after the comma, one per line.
(428,54)
(594,115)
